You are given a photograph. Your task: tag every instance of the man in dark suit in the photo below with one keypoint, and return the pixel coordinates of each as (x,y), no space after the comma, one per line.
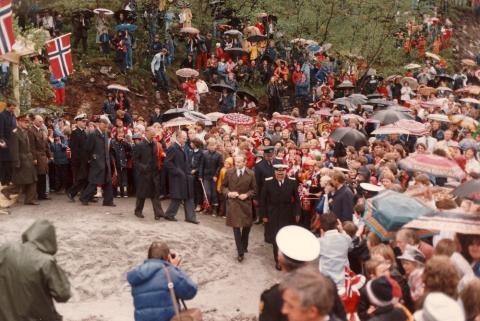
(7,124)
(343,199)
(279,205)
(79,159)
(99,173)
(263,169)
(145,158)
(180,180)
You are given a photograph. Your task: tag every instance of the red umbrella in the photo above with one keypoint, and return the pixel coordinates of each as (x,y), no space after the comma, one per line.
(433,165)
(413,127)
(237,119)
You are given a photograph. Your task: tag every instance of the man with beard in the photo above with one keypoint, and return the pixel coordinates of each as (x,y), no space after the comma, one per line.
(79,159)
(145,158)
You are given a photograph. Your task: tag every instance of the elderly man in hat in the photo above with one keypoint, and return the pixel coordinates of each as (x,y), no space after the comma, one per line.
(24,175)
(79,160)
(263,169)
(279,205)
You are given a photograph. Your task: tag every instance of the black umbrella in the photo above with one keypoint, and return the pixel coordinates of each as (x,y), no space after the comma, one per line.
(349,137)
(445,77)
(236,52)
(256,38)
(173,113)
(243,94)
(390,116)
(375,96)
(399,108)
(470,189)
(221,87)
(87,13)
(379,102)
(127,14)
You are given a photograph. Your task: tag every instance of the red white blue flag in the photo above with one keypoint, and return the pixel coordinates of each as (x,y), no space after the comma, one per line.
(7,39)
(60,56)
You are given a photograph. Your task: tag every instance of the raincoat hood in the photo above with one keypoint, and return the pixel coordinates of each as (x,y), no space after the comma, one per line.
(42,234)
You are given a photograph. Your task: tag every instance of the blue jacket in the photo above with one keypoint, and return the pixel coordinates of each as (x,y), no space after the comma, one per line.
(151,297)
(59,152)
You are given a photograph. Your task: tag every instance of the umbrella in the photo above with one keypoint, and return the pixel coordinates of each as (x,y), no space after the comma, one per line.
(243,94)
(221,87)
(433,165)
(470,100)
(412,66)
(464,121)
(202,87)
(323,112)
(357,99)
(39,111)
(178,121)
(361,96)
(256,38)
(251,30)
(104,11)
(412,82)
(380,101)
(425,90)
(390,116)
(439,117)
(262,15)
(126,27)
(472,90)
(353,116)
(326,46)
(195,115)
(389,211)
(237,52)
(233,32)
(87,13)
(297,40)
(432,55)
(413,127)
(469,143)
(215,115)
(469,189)
(469,62)
(187,73)
(389,129)
(310,42)
(183,4)
(314,48)
(118,87)
(444,89)
(399,108)
(346,84)
(392,78)
(173,113)
(375,96)
(190,30)
(283,120)
(349,137)
(465,223)
(237,119)
(445,77)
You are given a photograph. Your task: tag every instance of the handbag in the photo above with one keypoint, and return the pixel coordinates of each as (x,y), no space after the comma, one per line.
(183,315)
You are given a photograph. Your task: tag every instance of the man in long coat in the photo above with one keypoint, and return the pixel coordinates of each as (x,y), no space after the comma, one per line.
(180,180)
(41,153)
(145,158)
(239,189)
(99,172)
(79,160)
(24,174)
(7,124)
(279,205)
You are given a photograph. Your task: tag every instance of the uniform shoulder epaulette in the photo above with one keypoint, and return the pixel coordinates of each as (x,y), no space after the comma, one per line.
(269,178)
(292,178)
(14,130)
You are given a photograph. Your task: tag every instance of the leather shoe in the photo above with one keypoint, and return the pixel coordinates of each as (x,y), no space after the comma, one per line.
(44,198)
(157,218)
(240,258)
(193,222)
(140,215)
(258,222)
(32,203)
(94,200)
(111,205)
(173,219)
(70,197)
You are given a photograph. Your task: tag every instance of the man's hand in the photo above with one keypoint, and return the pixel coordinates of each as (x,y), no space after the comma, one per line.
(34,162)
(243,197)
(232,194)
(174,260)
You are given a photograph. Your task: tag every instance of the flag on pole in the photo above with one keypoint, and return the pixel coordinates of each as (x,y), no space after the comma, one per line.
(7,39)
(60,56)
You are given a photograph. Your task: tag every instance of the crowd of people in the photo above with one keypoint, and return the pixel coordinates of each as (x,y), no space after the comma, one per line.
(306,169)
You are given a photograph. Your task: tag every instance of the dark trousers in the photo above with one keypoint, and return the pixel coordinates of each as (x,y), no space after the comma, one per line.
(157,206)
(241,239)
(42,186)
(82,39)
(62,177)
(78,186)
(187,206)
(5,172)
(197,192)
(91,189)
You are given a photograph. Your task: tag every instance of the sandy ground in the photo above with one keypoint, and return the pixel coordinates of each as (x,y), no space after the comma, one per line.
(99,245)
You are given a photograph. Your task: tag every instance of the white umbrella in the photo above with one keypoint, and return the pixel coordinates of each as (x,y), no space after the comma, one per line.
(412,82)
(104,11)
(439,117)
(202,87)
(389,129)
(215,115)
(433,56)
(444,89)
(179,121)
(118,87)
(412,66)
(470,100)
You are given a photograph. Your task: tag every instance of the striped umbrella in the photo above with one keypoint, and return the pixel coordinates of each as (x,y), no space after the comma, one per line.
(465,223)
(413,127)
(432,164)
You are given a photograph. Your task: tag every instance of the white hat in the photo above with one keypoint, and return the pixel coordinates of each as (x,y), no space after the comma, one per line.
(371,188)
(80,117)
(280,166)
(298,243)
(440,307)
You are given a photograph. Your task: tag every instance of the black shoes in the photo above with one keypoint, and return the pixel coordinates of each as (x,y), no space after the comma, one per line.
(110,204)
(84,203)
(70,197)
(140,215)
(172,219)
(240,258)
(193,222)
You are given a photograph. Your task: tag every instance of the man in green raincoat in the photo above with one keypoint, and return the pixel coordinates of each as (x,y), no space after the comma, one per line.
(30,278)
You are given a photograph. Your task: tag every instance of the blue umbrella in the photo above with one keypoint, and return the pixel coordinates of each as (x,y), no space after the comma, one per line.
(126,26)
(387,212)
(314,48)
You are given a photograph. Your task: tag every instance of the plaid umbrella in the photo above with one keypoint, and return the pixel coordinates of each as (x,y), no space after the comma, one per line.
(389,211)
(432,164)
(465,223)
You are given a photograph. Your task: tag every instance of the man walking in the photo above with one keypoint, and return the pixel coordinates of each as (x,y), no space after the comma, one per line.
(79,159)
(7,124)
(24,174)
(343,199)
(159,69)
(279,205)
(239,189)
(99,173)
(37,136)
(145,158)
(263,170)
(180,180)
(209,172)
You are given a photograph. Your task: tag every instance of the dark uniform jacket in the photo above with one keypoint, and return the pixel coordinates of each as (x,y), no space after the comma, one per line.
(180,179)
(8,123)
(24,171)
(97,150)
(79,159)
(263,169)
(146,166)
(280,204)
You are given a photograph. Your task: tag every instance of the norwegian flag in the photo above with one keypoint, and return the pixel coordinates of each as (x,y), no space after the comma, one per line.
(60,56)
(7,39)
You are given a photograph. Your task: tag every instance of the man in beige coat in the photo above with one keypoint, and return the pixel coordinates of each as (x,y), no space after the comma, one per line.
(41,153)
(239,189)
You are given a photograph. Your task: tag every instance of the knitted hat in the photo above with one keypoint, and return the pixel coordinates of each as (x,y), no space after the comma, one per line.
(380,291)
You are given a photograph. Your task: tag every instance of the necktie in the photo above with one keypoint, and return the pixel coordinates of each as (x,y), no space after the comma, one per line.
(280,183)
